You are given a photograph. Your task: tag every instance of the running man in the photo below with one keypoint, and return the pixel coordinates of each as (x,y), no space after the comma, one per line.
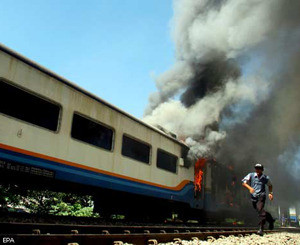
(255,183)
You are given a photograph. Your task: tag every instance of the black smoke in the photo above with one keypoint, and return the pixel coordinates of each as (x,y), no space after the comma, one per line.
(209,78)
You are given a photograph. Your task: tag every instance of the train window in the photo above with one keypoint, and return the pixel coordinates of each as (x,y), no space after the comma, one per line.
(184,155)
(93,133)
(135,149)
(25,106)
(166,161)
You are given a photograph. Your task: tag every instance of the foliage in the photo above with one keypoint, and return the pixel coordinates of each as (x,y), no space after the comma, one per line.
(9,196)
(46,202)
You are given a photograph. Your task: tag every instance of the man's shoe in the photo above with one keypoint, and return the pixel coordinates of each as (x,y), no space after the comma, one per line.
(260,232)
(271,224)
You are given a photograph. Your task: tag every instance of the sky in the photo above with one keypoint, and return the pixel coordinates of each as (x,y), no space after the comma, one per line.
(112,48)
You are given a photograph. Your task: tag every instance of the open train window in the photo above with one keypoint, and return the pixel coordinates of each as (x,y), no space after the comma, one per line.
(166,161)
(135,149)
(91,132)
(28,107)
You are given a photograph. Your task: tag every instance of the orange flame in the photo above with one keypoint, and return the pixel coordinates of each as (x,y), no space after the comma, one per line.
(199,174)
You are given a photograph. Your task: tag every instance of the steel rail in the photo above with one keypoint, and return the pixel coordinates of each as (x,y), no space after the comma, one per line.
(44,228)
(119,239)
(125,234)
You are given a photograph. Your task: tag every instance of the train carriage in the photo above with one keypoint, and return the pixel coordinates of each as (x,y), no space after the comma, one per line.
(52,129)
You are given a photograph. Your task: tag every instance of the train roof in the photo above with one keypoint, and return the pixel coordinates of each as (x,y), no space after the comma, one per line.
(76,87)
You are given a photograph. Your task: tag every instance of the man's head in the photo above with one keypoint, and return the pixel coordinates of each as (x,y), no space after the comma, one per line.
(259,168)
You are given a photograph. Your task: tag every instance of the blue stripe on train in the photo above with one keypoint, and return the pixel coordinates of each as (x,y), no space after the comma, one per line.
(87,177)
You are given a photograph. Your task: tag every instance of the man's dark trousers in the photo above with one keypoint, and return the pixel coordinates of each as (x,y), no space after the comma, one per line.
(259,203)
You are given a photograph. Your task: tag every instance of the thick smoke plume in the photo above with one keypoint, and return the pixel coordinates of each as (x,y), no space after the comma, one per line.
(234,90)
(271,133)
(216,42)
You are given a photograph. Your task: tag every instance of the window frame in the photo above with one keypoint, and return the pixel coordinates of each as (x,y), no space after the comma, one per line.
(140,141)
(97,122)
(164,151)
(33,93)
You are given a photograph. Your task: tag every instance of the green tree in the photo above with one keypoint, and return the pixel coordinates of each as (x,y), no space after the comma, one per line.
(9,196)
(46,202)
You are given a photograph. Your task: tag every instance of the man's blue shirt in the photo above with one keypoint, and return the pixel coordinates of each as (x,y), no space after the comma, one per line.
(257,183)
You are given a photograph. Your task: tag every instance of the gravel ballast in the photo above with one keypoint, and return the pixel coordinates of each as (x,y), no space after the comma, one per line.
(274,238)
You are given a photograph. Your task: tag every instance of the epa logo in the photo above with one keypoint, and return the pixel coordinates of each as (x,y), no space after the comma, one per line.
(8,240)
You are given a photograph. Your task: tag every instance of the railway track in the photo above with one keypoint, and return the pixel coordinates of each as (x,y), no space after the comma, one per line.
(55,234)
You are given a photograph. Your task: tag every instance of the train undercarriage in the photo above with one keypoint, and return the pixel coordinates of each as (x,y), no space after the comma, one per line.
(116,206)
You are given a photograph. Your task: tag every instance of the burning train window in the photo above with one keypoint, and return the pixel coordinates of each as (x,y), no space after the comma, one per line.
(166,161)
(28,107)
(135,149)
(91,132)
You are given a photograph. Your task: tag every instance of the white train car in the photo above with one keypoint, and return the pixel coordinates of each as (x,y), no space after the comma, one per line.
(51,128)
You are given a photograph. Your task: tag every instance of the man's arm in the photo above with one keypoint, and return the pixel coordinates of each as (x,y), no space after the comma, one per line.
(245,183)
(251,190)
